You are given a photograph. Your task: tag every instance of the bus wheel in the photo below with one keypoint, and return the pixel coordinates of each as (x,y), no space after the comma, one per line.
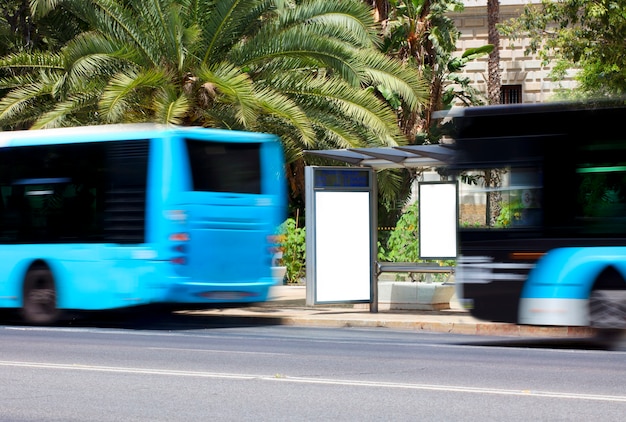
(39,304)
(607,314)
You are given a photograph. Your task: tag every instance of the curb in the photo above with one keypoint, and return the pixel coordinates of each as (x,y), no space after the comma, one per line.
(466,328)
(295,313)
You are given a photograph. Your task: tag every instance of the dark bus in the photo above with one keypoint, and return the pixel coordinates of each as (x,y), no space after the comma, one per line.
(542,228)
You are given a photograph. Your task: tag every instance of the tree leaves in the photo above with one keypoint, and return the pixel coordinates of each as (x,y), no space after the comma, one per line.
(307,70)
(578,34)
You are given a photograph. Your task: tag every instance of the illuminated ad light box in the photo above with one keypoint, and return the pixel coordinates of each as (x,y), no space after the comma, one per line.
(438,220)
(339,241)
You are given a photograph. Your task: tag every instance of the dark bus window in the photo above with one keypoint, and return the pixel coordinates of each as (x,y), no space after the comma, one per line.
(73,193)
(225,167)
(601,180)
(516,202)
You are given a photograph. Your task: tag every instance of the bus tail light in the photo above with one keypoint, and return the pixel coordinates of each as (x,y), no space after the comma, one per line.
(179,247)
(179,237)
(526,256)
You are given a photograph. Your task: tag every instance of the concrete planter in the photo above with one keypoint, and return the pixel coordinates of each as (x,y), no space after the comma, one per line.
(278,273)
(403,295)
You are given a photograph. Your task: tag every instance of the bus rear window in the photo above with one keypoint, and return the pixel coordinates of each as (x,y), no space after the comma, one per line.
(225,167)
(74,192)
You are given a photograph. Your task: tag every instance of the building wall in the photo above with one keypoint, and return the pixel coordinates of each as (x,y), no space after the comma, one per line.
(515,67)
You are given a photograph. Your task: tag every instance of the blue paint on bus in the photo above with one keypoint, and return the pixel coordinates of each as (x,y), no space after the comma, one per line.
(569,273)
(127,215)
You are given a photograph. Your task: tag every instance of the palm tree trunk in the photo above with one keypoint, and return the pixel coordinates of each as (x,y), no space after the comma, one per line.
(381,9)
(493,70)
(493,177)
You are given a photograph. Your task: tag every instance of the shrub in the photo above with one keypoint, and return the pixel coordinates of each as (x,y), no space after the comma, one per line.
(293,244)
(403,243)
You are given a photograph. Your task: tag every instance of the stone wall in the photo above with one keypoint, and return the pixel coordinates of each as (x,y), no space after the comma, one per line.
(515,67)
(472,215)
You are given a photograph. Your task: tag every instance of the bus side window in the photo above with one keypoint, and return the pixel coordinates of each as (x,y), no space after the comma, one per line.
(18,213)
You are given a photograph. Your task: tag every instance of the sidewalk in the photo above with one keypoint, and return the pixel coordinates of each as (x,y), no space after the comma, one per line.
(288,304)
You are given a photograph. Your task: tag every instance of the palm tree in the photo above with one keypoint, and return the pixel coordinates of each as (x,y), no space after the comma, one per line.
(308,71)
(420,32)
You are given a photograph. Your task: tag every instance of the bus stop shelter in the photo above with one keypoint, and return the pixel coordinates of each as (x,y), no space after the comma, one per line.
(341,205)
(416,157)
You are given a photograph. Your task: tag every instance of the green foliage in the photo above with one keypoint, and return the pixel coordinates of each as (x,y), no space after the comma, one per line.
(602,195)
(305,70)
(422,33)
(583,34)
(403,243)
(509,214)
(20,32)
(456,64)
(457,88)
(292,241)
(466,224)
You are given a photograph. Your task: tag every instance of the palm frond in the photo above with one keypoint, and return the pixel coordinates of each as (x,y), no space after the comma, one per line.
(91,56)
(117,98)
(88,43)
(285,109)
(18,100)
(161,20)
(225,23)
(61,114)
(19,80)
(316,51)
(40,8)
(55,24)
(169,107)
(395,76)
(32,61)
(356,106)
(122,22)
(236,88)
(350,22)
(389,184)
(219,115)
(332,132)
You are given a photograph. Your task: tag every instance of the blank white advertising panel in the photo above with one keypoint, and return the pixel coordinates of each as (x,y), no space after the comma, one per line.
(438,219)
(342,246)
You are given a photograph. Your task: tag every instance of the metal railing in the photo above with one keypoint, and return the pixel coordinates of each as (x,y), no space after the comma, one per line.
(412,268)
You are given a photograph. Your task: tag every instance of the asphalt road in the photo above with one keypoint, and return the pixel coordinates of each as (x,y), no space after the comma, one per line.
(265,373)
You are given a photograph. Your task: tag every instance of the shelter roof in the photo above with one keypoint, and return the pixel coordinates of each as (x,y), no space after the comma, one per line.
(408,156)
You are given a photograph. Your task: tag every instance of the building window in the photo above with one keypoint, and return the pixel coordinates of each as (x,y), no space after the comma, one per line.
(510,94)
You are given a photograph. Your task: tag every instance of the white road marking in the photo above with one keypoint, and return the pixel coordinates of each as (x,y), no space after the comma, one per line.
(319,381)
(230,352)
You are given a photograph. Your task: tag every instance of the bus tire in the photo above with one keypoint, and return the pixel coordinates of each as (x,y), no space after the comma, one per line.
(607,309)
(607,314)
(39,303)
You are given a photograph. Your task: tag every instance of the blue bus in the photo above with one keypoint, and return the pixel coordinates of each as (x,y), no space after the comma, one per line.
(542,231)
(117,216)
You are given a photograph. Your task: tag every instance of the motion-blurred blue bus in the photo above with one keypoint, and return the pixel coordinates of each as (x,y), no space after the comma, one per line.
(116,216)
(547,185)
